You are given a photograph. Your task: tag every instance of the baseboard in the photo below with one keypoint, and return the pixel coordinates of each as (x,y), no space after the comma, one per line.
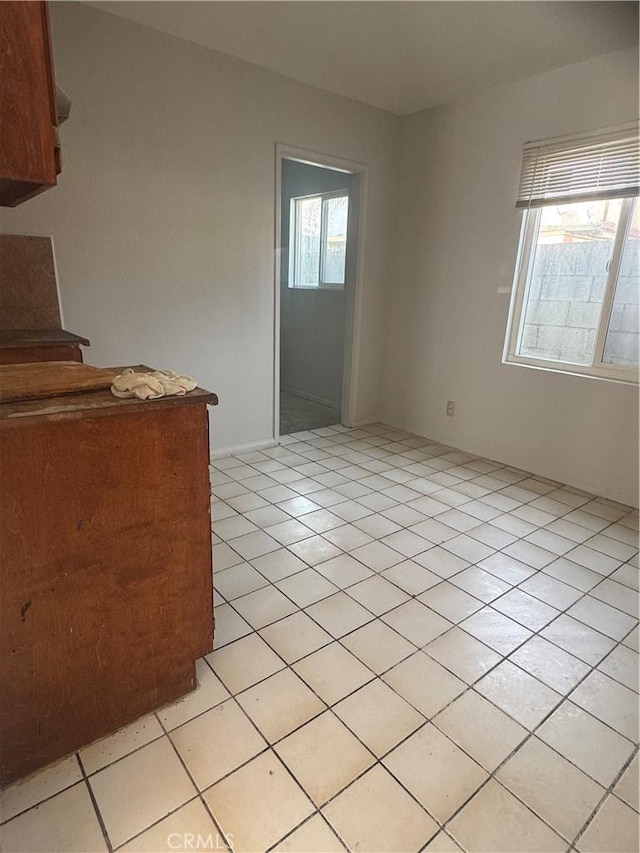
(364,423)
(242,448)
(312,397)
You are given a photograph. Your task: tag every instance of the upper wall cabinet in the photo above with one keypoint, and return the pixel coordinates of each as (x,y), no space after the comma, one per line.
(29,156)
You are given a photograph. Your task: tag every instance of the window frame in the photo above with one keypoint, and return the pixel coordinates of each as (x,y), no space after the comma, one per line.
(294,254)
(519,299)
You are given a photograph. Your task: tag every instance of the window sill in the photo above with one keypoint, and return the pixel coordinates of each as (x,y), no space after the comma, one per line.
(621,375)
(316,286)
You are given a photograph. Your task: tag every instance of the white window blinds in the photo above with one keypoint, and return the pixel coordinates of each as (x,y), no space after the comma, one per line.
(602,164)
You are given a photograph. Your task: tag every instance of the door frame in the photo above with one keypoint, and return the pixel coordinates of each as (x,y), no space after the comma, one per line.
(353,295)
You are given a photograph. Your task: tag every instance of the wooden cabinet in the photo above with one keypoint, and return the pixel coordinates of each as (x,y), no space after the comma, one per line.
(29,158)
(105,566)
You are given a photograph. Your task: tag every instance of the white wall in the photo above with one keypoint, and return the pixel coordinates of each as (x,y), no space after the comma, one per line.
(163,220)
(456,240)
(312,322)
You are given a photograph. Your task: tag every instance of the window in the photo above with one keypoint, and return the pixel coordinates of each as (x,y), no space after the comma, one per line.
(318,240)
(575,303)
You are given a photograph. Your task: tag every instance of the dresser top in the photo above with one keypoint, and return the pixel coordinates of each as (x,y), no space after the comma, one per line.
(93,403)
(13,338)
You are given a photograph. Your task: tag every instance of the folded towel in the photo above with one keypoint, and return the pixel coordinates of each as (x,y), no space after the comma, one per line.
(151,386)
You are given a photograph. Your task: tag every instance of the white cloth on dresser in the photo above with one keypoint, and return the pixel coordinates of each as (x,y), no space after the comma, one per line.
(151,386)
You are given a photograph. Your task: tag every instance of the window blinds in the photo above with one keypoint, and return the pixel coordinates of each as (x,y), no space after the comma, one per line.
(602,164)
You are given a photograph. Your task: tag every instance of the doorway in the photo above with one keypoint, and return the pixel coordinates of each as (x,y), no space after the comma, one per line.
(317,237)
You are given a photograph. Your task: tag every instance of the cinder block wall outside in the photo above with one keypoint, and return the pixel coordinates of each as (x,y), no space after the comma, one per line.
(565,299)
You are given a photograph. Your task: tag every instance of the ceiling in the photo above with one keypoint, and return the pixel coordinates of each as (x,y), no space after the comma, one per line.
(399,56)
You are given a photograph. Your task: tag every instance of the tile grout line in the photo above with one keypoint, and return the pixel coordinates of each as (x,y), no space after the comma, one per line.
(94,802)
(608,792)
(199,794)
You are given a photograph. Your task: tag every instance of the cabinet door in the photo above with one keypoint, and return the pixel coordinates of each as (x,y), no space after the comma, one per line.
(28,156)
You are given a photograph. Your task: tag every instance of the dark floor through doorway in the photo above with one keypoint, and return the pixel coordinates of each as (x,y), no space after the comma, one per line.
(298,414)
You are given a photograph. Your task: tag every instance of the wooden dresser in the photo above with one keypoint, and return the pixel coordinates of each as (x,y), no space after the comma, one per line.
(105,566)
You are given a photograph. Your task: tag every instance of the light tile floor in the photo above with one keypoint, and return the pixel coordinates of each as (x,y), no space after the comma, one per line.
(416,649)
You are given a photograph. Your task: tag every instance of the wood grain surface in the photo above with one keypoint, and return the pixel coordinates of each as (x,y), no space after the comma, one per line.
(28,286)
(12,338)
(57,352)
(105,574)
(38,380)
(27,102)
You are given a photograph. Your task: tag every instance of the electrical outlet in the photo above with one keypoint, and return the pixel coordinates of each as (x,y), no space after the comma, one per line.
(451,408)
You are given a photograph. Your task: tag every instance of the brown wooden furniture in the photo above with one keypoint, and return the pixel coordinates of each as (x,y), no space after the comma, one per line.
(105,566)
(28,286)
(36,381)
(29,156)
(25,345)
(30,321)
